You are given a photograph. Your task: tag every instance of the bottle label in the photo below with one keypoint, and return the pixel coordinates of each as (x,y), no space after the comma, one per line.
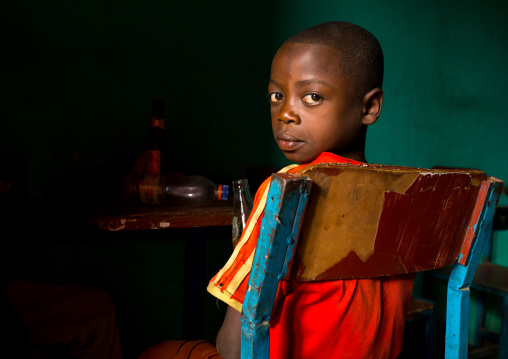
(157,122)
(149,190)
(152,162)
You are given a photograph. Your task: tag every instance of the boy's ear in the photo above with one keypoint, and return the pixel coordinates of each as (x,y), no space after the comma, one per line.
(372,104)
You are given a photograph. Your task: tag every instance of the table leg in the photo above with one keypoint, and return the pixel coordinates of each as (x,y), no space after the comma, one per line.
(195,284)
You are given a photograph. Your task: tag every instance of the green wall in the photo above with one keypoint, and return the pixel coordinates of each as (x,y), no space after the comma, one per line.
(445,75)
(77,80)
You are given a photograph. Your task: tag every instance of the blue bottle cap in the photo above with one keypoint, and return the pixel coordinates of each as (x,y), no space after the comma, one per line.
(224,196)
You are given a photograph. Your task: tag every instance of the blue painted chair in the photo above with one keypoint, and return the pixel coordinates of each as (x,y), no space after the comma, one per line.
(460,242)
(489,279)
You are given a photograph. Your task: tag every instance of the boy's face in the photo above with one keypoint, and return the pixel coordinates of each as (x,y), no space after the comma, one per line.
(312,103)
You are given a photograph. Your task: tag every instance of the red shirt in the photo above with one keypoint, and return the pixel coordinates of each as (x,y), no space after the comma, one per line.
(358,318)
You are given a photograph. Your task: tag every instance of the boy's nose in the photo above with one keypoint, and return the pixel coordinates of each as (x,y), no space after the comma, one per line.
(288,115)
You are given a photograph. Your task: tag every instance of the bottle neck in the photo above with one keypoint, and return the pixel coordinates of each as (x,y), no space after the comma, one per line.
(241,193)
(156,122)
(239,185)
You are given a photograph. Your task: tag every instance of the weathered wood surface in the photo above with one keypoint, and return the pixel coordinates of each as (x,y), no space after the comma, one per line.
(491,277)
(370,221)
(418,306)
(285,206)
(457,306)
(131,217)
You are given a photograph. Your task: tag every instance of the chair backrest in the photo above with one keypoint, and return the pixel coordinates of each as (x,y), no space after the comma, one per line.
(364,222)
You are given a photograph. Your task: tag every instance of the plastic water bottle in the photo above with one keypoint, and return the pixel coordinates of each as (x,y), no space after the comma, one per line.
(242,207)
(172,190)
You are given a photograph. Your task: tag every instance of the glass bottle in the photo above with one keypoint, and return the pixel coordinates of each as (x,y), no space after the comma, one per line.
(156,147)
(242,207)
(172,190)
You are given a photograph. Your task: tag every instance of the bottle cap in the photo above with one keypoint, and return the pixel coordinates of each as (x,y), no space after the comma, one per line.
(223,192)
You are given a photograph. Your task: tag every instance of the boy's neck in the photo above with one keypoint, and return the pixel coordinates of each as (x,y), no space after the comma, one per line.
(356,150)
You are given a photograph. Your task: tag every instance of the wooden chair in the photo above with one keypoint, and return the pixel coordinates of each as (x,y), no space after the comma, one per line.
(490,278)
(424,310)
(411,220)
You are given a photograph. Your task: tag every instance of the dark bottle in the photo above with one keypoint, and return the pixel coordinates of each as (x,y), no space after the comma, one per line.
(172,190)
(242,207)
(156,147)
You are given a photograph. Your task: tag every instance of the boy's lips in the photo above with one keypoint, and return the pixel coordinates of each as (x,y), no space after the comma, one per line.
(288,142)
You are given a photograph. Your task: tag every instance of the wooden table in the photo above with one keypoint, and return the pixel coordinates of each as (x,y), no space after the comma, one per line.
(119,217)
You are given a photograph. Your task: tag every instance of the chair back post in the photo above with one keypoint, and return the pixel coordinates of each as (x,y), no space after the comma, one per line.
(286,202)
(458,294)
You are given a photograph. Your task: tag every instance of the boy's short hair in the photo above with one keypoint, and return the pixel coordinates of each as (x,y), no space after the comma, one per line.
(361,54)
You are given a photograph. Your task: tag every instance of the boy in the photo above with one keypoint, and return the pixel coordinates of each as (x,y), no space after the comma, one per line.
(324,90)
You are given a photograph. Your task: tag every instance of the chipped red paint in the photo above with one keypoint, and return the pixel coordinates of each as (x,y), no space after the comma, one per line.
(471,230)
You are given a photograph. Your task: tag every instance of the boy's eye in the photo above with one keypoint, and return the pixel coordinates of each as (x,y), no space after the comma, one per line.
(312,99)
(275,97)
